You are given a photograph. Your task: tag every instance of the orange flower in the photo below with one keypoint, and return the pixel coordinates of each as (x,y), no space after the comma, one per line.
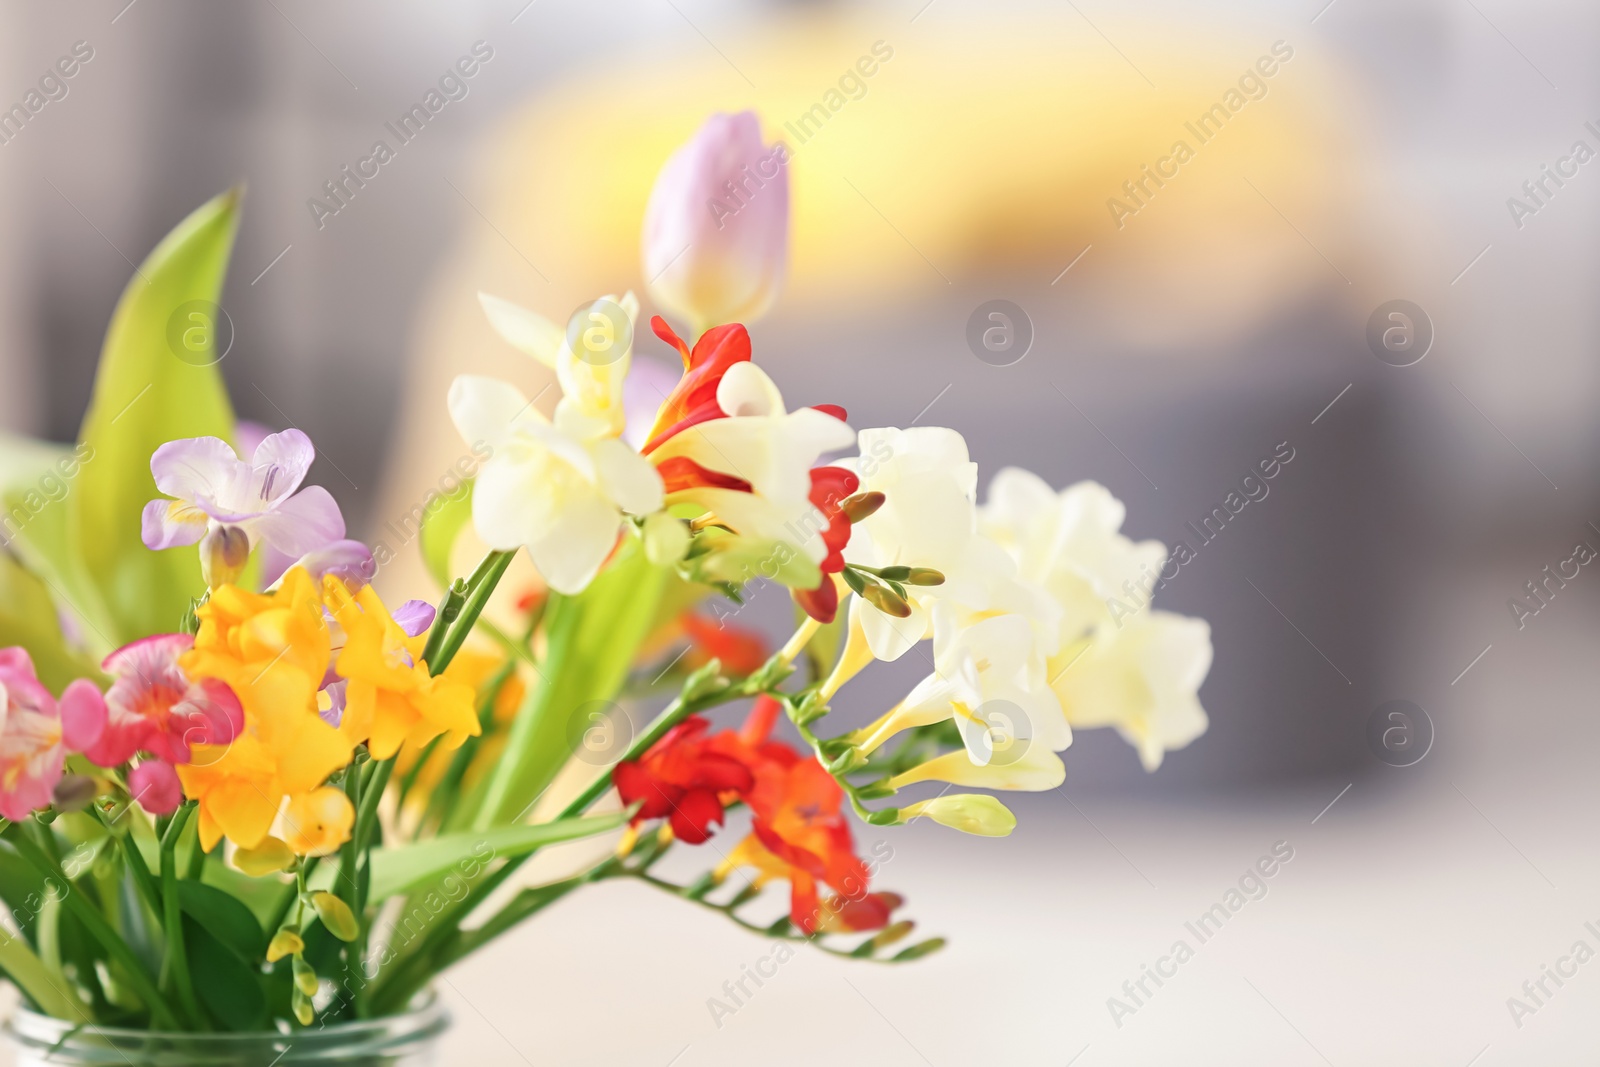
(741,650)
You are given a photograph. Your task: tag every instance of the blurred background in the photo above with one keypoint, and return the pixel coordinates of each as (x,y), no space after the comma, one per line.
(1212,320)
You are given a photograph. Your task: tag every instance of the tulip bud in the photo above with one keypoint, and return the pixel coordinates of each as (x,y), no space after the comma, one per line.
(971,813)
(223,552)
(716,232)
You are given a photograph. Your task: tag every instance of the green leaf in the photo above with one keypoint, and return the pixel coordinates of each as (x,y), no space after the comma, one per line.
(440,528)
(228,919)
(28,618)
(822,651)
(592,640)
(145,396)
(229,988)
(402,868)
(22,888)
(29,973)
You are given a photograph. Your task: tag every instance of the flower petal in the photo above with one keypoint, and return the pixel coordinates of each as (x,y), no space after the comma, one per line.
(488,410)
(201,470)
(171,523)
(83,714)
(154,784)
(627,477)
(526,331)
(279,465)
(306,522)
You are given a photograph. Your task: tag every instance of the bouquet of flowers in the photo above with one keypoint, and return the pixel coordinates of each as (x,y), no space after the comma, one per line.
(243,792)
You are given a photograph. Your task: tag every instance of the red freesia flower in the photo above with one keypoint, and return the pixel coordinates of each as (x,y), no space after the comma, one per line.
(829,487)
(682,776)
(799,833)
(741,650)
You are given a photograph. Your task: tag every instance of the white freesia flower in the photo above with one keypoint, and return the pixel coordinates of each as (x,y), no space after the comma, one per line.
(971,813)
(591,358)
(1142,679)
(928,519)
(1069,544)
(560,496)
(989,678)
(768,449)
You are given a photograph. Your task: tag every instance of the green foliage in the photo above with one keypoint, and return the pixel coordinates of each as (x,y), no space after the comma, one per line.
(440,529)
(144,396)
(402,868)
(593,638)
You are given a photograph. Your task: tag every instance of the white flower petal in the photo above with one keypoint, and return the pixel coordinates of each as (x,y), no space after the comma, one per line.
(527,331)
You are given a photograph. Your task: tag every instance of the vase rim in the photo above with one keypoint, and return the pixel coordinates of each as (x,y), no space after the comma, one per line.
(421,1023)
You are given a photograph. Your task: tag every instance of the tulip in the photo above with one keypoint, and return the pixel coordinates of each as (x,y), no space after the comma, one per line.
(716,231)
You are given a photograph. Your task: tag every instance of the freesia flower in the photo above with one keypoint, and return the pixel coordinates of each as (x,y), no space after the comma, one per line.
(716,231)
(928,519)
(682,777)
(37,732)
(989,679)
(562,498)
(971,813)
(155,785)
(272,650)
(1143,679)
(318,822)
(391,698)
(809,912)
(725,442)
(1140,673)
(153,706)
(1069,543)
(214,490)
(591,359)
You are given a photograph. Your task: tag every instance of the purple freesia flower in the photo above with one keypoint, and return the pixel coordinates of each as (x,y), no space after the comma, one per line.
(213,488)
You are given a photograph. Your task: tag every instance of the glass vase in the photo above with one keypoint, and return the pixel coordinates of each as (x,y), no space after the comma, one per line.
(406,1040)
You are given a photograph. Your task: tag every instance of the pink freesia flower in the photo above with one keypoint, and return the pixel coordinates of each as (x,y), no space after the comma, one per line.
(213,488)
(36,732)
(154,784)
(153,707)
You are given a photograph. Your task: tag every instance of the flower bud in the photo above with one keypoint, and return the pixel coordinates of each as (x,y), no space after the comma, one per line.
(716,232)
(301,1005)
(286,942)
(336,916)
(924,576)
(861,506)
(666,539)
(304,977)
(73,792)
(971,813)
(886,601)
(223,552)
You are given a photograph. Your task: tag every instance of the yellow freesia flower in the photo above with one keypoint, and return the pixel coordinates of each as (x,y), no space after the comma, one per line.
(391,698)
(318,822)
(272,650)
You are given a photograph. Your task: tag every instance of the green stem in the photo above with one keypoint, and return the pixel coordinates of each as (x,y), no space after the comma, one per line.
(172,918)
(413,970)
(479,588)
(142,878)
(138,978)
